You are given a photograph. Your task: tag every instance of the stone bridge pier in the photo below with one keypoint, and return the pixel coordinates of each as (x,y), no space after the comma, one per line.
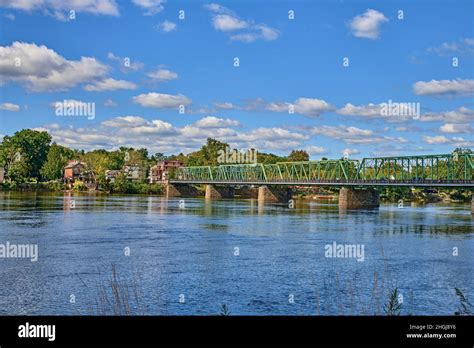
(350,198)
(472,204)
(274,194)
(181,190)
(219,192)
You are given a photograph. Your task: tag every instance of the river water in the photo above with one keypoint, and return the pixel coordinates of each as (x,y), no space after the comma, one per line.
(193,256)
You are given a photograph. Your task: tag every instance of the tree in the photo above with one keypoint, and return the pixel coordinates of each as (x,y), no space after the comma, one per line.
(116,160)
(298,155)
(24,154)
(210,151)
(157,157)
(121,184)
(56,160)
(143,153)
(269,158)
(181,157)
(206,156)
(462,151)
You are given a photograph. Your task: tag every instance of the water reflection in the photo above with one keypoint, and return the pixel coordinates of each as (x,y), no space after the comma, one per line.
(187,246)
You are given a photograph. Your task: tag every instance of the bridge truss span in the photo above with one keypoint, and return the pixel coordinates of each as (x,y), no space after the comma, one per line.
(450,170)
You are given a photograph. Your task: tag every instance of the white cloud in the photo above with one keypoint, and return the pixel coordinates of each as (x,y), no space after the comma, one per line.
(456,128)
(350,152)
(125,121)
(110,103)
(60,8)
(460,47)
(41,69)
(68,103)
(456,87)
(278,107)
(166,26)
(161,136)
(163,75)
(10,107)
(311,106)
(367,25)
(454,141)
(125,63)
(224,22)
(304,106)
(260,32)
(275,138)
(217,8)
(215,122)
(266,32)
(151,7)
(160,100)
(389,111)
(10,16)
(315,150)
(224,105)
(109,85)
(352,135)
(438,139)
(461,115)
(245,31)
(369,110)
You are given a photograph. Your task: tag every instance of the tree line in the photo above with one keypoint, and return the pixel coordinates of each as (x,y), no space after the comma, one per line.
(31,156)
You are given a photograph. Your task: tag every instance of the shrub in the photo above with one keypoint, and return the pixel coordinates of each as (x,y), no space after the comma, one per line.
(79,186)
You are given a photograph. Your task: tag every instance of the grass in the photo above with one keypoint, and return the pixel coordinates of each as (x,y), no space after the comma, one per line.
(116,297)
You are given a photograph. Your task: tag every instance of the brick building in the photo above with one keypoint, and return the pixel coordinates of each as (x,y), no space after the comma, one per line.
(160,171)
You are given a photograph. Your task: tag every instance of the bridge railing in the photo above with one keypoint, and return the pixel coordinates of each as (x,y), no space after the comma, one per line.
(445,168)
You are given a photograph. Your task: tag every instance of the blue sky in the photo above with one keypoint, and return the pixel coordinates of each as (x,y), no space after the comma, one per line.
(285,64)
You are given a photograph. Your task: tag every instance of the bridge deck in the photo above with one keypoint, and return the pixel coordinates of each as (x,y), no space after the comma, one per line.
(425,183)
(445,170)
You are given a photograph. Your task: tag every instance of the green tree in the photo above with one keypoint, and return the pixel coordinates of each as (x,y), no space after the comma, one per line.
(24,154)
(210,151)
(298,155)
(56,160)
(121,184)
(158,157)
(461,150)
(97,161)
(116,160)
(181,157)
(269,158)
(206,156)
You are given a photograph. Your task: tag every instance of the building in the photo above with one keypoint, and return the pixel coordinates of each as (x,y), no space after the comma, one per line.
(77,170)
(161,171)
(2,174)
(133,172)
(110,175)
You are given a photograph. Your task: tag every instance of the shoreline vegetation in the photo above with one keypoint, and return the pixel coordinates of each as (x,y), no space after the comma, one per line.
(389,195)
(33,163)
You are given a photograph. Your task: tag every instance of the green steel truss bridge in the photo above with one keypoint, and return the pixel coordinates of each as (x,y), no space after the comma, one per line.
(447,170)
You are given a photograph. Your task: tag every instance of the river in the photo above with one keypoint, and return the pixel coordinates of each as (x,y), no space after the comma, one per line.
(192,256)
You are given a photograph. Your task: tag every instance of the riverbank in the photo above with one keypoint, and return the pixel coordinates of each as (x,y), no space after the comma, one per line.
(55,186)
(398,194)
